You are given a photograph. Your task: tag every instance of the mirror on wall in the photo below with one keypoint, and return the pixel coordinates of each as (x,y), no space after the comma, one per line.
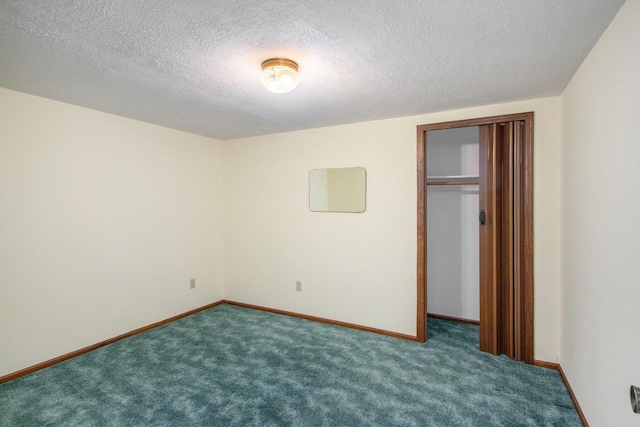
(338,190)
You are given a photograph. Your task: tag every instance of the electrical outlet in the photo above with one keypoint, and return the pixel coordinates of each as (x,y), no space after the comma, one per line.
(192,283)
(299,286)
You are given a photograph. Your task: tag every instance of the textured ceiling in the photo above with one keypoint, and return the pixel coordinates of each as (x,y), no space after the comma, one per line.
(194,65)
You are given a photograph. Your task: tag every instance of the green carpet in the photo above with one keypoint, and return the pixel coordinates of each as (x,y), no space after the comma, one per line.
(231,366)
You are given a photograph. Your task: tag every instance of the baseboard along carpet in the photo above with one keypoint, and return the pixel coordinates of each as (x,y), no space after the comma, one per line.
(233,366)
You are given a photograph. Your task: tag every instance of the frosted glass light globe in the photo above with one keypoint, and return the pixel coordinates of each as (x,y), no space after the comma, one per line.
(279,75)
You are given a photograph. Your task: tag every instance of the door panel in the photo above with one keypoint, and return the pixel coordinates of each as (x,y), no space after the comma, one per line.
(497,321)
(501,284)
(489,239)
(504,180)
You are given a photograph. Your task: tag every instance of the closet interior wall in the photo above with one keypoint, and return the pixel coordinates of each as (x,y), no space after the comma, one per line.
(452,222)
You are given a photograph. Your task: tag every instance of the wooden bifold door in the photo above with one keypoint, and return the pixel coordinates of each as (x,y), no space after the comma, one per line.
(505,221)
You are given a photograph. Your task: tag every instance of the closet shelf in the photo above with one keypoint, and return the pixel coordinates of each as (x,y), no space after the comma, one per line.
(453,180)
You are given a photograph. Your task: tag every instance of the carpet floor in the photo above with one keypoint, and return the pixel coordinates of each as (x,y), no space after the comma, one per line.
(232,366)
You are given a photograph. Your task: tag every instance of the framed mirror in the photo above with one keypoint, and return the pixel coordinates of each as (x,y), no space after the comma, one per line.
(338,190)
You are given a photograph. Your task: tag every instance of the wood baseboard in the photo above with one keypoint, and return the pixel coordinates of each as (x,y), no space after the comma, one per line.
(55,360)
(557,367)
(573,397)
(548,365)
(323,320)
(453,319)
(50,362)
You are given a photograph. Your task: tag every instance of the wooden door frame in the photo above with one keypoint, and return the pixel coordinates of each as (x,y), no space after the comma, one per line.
(523,234)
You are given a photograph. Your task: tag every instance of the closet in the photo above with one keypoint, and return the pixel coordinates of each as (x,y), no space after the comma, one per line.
(475,229)
(452,223)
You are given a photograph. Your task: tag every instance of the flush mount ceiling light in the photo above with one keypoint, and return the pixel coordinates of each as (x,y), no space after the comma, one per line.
(279,75)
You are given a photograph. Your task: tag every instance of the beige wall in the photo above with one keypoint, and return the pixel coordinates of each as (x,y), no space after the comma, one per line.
(361,268)
(601,233)
(103,221)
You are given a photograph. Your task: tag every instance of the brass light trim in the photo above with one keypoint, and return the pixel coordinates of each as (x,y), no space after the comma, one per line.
(281,62)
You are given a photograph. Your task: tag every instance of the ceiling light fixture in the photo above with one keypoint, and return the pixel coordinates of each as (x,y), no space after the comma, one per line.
(279,75)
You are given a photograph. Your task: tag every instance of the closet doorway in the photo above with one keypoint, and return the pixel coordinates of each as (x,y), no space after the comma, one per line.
(484,165)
